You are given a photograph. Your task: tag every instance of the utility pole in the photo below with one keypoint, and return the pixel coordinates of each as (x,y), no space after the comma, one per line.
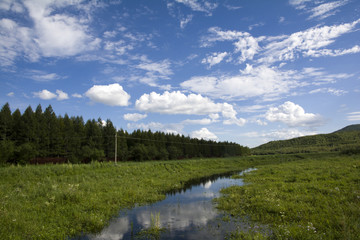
(115,146)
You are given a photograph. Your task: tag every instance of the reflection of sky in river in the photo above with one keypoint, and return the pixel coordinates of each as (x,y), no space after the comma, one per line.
(189,214)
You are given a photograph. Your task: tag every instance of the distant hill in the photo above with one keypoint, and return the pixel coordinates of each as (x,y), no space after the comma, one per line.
(350,128)
(341,140)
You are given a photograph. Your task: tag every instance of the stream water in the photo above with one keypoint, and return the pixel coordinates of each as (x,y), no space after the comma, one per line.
(185,214)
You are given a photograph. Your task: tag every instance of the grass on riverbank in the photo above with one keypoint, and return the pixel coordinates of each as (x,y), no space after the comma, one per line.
(314,198)
(61,201)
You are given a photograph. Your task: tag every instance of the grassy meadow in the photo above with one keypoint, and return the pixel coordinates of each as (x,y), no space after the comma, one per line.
(315,197)
(295,196)
(61,201)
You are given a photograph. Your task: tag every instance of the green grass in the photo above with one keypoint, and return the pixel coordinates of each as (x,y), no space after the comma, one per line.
(315,197)
(61,201)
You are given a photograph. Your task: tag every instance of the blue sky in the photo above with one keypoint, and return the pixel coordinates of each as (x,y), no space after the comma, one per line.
(241,71)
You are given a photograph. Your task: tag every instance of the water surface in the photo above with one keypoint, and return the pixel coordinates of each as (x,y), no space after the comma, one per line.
(185,214)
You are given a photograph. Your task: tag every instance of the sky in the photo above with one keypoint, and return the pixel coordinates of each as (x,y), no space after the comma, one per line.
(242,71)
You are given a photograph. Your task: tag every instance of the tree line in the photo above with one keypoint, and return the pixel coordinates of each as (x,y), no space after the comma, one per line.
(42,134)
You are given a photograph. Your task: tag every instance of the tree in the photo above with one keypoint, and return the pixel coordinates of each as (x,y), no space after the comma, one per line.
(109,139)
(5,122)
(7,149)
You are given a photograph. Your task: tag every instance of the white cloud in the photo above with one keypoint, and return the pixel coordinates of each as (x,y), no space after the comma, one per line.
(11,5)
(289,47)
(192,104)
(177,103)
(16,40)
(77,95)
(230,7)
(270,49)
(287,134)
(199,6)
(293,115)
(299,4)
(51,35)
(259,81)
(61,95)
(162,68)
(214,58)
(59,34)
(256,25)
(336,92)
(10,94)
(156,126)
(185,21)
(41,76)
(353,116)
(110,34)
(244,43)
(134,117)
(332,53)
(326,9)
(45,94)
(112,94)
(205,134)
(280,134)
(204,121)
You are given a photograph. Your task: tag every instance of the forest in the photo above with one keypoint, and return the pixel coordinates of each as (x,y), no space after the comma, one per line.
(42,136)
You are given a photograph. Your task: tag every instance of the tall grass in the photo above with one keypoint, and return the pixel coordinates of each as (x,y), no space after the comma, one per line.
(317,197)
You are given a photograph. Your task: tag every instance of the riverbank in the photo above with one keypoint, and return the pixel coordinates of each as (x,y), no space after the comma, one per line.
(317,197)
(61,201)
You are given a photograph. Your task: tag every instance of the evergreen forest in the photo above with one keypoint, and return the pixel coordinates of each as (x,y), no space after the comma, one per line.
(42,136)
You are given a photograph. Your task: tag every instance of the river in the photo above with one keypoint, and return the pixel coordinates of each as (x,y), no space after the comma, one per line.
(186,214)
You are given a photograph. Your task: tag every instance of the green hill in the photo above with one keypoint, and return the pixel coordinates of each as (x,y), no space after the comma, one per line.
(344,140)
(350,128)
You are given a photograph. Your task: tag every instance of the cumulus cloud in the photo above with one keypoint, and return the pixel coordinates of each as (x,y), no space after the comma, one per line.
(177,103)
(192,104)
(259,81)
(134,117)
(52,34)
(214,58)
(112,95)
(293,115)
(156,126)
(205,134)
(45,94)
(280,134)
(61,95)
(244,43)
(59,34)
